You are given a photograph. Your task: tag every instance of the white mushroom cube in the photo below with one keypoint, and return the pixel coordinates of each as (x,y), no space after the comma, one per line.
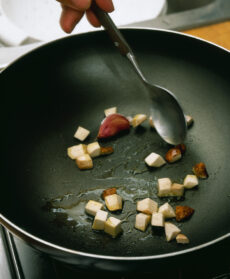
(94,149)
(138,119)
(84,162)
(92,207)
(147,206)
(157,219)
(155,160)
(113,226)
(76,151)
(142,221)
(113,202)
(167,211)
(81,133)
(189,120)
(110,111)
(190,181)
(177,190)
(182,239)
(164,187)
(171,231)
(99,220)
(151,124)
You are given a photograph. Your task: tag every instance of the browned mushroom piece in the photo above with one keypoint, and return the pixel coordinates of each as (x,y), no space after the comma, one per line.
(107,150)
(200,170)
(173,155)
(182,147)
(183,212)
(107,192)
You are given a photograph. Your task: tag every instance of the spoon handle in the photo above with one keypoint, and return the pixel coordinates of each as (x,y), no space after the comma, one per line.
(112,30)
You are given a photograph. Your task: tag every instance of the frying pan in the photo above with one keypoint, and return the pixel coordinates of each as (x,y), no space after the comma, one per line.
(69,82)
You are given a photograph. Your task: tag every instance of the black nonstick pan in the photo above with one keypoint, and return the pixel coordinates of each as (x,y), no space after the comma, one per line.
(47,93)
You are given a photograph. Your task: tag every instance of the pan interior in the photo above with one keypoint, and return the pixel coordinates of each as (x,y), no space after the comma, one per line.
(70,82)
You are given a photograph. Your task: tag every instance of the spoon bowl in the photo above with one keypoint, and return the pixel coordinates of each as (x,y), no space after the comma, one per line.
(166,112)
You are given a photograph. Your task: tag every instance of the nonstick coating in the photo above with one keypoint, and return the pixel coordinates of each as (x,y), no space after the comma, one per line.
(69,82)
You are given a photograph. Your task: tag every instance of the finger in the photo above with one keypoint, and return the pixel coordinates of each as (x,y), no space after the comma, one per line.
(106,5)
(69,18)
(92,18)
(80,5)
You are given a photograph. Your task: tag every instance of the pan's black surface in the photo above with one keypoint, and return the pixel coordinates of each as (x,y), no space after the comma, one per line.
(49,92)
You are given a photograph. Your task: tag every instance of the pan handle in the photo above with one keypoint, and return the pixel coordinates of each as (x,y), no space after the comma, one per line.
(112,30)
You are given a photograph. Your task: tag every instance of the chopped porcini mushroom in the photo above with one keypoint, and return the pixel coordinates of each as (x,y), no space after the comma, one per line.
(94,149)
(167,211)
(157,219)
(138,119)
(76,151)
(173,155)
(113,226)
(182,147)
(147,206)
(200,170)
(151,124)
(81,133)
(84,162)
(190,181)
(171,231)
(154,160)
(108,192)
(164,187)
(183,212)
(189,120)
(107,150)
(177,190)
(182,239)
(142,221)
(92,207)
(99,220)
(113,202)
(110,111)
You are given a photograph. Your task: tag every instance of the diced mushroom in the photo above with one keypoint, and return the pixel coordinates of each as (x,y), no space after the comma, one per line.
(189,120)
(92,207)
(151,124)
(138,119)
(107,150)
(113,226)
(94,149)
(130,119)
(84,162)
(108,192)
(177,190)
(157,219)
(81,133)
(200,170)
(173,155)
(142,221)
(76,151)
(154,160)
(182,239)
(190,181)
(182,147)
(113,202)
(110,111)
(171,231)
(183,212)
(147,206)
(164,187)
(99,220)
(167,211)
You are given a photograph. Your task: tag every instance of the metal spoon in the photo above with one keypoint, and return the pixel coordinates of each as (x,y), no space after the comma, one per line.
(165,110)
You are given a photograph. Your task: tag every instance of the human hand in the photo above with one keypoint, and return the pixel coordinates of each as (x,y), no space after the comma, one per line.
(73,11)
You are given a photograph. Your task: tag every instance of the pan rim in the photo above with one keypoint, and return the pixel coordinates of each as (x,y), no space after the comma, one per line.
(30,238)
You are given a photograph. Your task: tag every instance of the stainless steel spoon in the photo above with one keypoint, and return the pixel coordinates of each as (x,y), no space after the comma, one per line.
(167,114)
